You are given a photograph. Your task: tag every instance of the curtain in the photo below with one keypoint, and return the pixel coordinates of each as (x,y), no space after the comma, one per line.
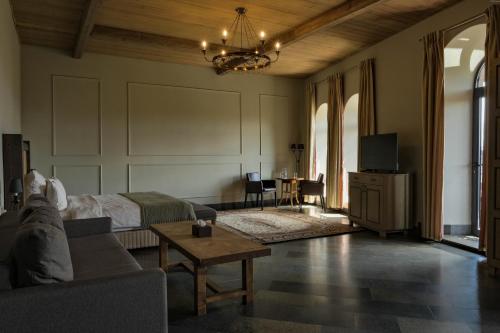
(433,134)
(366,113)
(492,51)
(335,133)
(310,135)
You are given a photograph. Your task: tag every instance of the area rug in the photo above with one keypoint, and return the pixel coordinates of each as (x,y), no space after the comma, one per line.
(273,225)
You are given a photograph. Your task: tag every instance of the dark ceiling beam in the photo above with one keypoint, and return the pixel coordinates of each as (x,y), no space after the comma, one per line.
(86,26)
(130,36)
(111,34)
(332,17)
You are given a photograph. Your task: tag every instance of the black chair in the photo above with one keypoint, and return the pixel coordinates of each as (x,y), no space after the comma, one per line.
(313,188)
(258,186)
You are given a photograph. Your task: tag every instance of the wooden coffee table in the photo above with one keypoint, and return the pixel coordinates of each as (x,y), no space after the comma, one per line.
(222,247)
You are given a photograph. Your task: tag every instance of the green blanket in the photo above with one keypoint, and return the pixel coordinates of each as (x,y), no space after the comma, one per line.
(160,208)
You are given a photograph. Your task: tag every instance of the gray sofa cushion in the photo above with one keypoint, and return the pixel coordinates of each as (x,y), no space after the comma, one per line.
(41,255)
(100,256)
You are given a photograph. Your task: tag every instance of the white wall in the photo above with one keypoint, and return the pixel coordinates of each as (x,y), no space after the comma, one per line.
(10,80)
(106,124)
(398,85)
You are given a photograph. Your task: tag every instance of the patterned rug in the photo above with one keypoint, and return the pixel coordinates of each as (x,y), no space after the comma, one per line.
(274,225)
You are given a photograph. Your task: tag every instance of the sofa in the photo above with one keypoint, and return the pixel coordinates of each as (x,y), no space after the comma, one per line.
(108,291)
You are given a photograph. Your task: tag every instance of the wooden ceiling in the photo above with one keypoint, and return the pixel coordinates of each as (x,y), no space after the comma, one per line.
(314,33)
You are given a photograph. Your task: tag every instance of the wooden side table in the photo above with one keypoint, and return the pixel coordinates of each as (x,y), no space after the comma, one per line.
(290,188)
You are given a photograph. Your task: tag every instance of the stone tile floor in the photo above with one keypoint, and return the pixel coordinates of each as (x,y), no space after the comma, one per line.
(347,283)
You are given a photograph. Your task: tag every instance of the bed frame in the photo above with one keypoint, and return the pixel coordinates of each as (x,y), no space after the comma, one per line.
(136,239)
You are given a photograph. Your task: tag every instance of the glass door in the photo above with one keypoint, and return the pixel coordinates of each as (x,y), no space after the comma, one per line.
(478,140)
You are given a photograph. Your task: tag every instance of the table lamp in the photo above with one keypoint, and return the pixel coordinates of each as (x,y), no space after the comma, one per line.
(16,189)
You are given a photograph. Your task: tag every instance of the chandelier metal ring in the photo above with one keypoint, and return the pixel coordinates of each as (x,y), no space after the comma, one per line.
(247,55)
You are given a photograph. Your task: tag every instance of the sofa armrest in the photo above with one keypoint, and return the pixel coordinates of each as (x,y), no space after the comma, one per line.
(87,227)
(132,302)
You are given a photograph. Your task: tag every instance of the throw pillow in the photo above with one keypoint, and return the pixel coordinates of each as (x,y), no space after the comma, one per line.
(33,202)
(45,214)
(41,255)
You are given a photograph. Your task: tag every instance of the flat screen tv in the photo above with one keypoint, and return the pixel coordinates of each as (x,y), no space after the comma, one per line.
(379,153)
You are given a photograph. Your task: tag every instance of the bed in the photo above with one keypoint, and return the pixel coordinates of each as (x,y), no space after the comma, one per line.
(125,215)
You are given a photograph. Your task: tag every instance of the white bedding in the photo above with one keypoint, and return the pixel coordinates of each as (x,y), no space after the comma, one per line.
(124,213)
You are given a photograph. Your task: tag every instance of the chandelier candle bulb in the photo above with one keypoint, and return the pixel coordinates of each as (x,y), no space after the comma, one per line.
(262,35)
(204,45)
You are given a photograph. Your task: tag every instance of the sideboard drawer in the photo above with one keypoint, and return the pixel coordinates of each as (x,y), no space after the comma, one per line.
(375,179)
(365,178)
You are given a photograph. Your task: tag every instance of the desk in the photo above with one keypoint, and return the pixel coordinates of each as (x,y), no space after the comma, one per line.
(290,188)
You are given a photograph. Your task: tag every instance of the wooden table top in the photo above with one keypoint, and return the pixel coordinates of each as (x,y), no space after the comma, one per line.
(224,246)
(289,180)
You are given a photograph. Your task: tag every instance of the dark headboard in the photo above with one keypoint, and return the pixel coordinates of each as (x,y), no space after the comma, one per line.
(16,163)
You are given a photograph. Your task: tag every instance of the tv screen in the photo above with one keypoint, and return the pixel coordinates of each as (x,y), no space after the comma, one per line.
(379,152)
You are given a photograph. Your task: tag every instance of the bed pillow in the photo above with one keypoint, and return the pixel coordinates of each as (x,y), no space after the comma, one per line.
(34,183)
(56,194)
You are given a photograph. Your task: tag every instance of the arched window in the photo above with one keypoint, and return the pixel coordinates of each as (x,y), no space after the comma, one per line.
(350,143)
(321,140)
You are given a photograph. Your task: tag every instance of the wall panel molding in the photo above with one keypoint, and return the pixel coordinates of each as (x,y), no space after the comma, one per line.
(276,124)
(72,140)
(206,179)
(77,178)
(201,134)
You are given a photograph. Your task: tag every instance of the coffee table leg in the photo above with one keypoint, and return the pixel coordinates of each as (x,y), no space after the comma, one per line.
(200,290)
(163,255)
(247,278)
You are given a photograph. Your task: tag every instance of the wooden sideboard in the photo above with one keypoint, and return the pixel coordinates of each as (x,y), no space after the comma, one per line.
(380,201)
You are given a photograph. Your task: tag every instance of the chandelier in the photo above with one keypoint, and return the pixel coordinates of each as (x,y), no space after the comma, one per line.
(242,49)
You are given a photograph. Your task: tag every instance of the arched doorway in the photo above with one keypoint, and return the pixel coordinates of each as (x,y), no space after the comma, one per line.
(464,128)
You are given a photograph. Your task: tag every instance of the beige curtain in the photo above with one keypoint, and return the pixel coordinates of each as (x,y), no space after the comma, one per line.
(492,51)
(366,113)
(335,133)
(433,134)
(310,135)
